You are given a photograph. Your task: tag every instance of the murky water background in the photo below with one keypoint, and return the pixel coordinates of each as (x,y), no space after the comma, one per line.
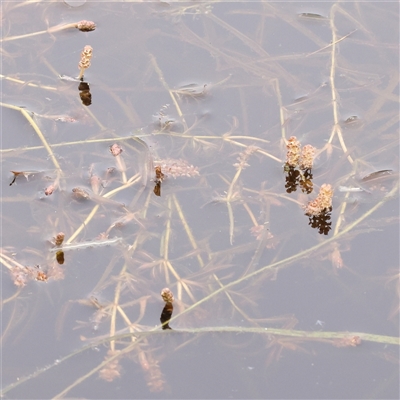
(210,92)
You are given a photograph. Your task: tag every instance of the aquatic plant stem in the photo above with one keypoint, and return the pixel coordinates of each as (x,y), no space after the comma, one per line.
(38,132)
(275,82)
(54,29)
(30,84)
(336,125)
(187,230)
(140,336)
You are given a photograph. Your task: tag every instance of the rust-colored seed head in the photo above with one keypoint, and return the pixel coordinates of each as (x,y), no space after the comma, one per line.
(86,26)
(167,295)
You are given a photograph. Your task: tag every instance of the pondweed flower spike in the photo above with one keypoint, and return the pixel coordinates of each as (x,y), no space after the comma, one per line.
(293,152)
(307,157)
(167,295)
(84,63)
(322,202)
(85,26)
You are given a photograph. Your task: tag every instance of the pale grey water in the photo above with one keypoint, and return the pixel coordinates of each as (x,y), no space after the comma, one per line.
(251,48)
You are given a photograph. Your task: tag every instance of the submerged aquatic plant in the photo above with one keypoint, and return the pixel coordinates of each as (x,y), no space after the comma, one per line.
(171,240)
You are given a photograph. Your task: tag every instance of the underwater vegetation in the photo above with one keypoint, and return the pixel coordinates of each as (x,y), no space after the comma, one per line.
(250,178)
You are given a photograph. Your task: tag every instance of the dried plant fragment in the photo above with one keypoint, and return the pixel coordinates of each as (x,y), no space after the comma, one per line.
(177,168)
(84,63)
(293,152)
(112,370)
(307,157)
(86,26)
(115,149)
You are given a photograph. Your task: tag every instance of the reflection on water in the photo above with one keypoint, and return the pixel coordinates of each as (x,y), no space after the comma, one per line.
(175,176)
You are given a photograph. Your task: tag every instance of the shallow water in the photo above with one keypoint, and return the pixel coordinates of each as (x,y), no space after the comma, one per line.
(209,92)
